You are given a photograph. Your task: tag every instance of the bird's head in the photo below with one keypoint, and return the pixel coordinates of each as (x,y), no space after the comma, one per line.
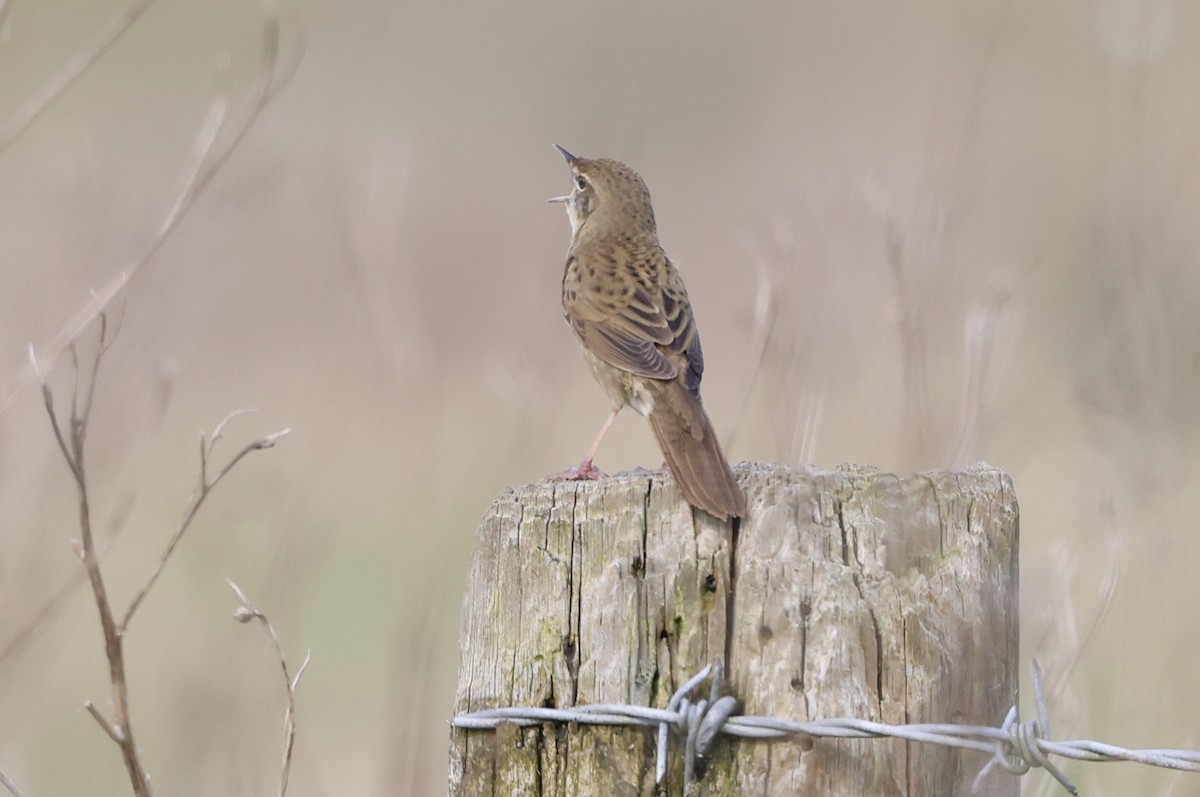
(605,192)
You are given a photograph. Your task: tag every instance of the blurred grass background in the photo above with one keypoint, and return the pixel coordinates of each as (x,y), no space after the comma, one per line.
(915,235)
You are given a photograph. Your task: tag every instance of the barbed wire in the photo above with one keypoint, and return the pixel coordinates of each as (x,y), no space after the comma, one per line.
(1015,746)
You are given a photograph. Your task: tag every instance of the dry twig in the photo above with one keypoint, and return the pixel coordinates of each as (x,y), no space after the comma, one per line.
(70,438)
(203,488)
(20,640)
(70,432)
(71,444)
(244,614)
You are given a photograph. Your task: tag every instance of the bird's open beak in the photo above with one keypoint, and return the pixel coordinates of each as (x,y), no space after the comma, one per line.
(570,158)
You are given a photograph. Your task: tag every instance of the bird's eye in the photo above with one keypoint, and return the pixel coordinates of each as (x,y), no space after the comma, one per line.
(581,182)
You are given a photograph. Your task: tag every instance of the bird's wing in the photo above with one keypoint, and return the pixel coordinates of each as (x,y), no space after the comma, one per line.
(685,340)
(628,336)
(647,331)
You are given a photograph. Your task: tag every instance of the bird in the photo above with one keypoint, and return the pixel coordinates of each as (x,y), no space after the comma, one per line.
(628,307)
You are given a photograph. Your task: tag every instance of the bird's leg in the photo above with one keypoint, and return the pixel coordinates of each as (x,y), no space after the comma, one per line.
(591,454)
(585,469)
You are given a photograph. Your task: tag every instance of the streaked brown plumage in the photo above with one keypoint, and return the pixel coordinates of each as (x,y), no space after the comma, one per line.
(630,310)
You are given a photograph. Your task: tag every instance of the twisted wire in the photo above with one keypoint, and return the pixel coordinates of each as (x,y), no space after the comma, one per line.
(1015,746)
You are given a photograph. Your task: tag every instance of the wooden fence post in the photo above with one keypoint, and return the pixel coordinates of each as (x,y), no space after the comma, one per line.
(850,593)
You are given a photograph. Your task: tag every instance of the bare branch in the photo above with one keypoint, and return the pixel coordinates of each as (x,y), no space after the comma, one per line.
(105,725)
(71,436)
(219,432)
(16,124)
(246,612)
(48,398)
(75,417)
(101,347)
(203,460)
(107,336)
(203,488)
(71,444)
(18,642)
(303,667)
(258,445)
(33,371)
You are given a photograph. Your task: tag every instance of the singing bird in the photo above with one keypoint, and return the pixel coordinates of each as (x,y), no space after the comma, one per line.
(629,308)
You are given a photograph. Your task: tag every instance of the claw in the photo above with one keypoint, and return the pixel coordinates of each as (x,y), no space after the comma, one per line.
(584,471)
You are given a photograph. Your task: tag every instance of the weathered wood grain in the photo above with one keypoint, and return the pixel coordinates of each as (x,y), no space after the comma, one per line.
(846,593)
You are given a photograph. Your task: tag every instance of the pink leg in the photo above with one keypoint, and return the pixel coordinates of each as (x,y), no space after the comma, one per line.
(591,454)
(585,469)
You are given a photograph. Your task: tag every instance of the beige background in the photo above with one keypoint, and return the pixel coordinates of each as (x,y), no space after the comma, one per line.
(915,235)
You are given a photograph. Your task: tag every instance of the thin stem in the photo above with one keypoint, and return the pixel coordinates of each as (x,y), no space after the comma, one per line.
(202,490)
(120,729)
(244,614)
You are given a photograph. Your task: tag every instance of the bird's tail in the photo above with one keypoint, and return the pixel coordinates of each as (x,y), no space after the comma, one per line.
(689,444)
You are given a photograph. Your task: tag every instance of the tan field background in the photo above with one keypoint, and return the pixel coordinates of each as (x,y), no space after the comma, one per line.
(915,235)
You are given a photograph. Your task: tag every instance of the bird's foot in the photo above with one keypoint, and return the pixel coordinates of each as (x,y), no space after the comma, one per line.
(584,471)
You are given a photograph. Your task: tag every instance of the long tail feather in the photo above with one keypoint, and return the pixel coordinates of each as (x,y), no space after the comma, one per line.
(689,444)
